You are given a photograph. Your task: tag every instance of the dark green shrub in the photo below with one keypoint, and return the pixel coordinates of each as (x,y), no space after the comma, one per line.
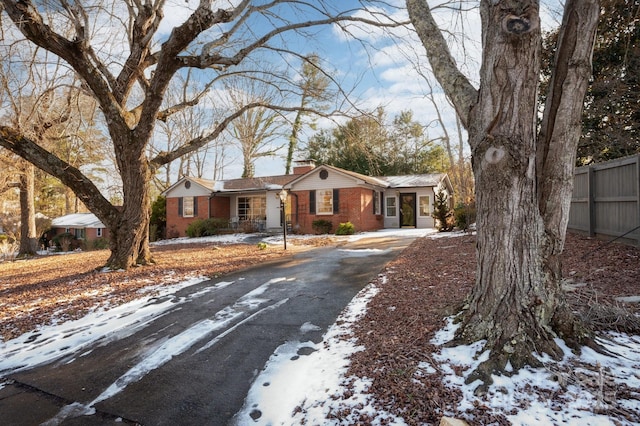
(158,220)
(441,212)
(205,227)
(322,226)
(346,228)
(196,228)
(99,244)
(214,225)
(464,215)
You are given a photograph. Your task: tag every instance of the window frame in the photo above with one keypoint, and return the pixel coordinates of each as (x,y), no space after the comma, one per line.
(188,210)
(99,232)
(391,205)
(250,209)
(377,203)
(324,202)
(421,212)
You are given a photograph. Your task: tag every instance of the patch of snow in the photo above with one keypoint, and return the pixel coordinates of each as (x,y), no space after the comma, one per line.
(629,299)
(56,341)
(307,327)
(362,252)
(297,389)
(523,397)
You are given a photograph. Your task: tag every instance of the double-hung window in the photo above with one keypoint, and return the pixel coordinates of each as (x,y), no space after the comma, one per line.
(377,202)
(424,202)
(324,201)
(187,207)
(391,207)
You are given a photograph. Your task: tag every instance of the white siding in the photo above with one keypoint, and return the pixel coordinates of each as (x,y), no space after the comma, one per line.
(421,221)
(333,180)
(194,191)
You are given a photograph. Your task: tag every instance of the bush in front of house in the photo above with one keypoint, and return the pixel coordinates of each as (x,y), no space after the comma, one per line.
(99,244)
(346,228)
(158,220)
(205,227)
(464,215)
(322,226)
(441,212)
(66,242)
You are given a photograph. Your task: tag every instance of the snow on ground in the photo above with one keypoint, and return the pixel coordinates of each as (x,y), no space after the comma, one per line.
(577,407)
(300,379)
(298,383)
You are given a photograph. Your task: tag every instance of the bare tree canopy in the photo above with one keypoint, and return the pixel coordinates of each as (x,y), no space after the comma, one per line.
(523,173)
(128,53)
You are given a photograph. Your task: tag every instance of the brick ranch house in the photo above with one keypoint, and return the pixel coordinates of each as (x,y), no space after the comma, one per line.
(84,226)
(322,192)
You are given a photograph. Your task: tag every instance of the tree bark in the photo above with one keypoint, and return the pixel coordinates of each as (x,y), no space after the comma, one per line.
(523,183)
(28,233)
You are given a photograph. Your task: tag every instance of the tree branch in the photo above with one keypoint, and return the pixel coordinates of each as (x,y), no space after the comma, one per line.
(455,84)
(69,175)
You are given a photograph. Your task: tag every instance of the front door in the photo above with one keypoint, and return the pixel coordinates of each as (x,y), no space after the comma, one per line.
(408,210)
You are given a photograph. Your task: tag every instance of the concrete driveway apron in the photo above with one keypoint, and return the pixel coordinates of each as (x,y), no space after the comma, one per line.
(194,364)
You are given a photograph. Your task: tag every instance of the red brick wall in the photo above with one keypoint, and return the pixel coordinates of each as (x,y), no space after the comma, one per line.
(220,207)
(177,225)
(91,234)
(355,206)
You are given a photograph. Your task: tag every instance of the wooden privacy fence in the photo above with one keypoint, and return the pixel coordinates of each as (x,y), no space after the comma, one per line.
(606,199)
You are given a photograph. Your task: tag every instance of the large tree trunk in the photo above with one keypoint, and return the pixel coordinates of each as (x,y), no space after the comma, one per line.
(28,233)
(509,305)
(523,183)
(129,231)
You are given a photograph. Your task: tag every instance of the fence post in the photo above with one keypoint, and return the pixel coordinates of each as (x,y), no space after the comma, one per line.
(591,202)
(638,196)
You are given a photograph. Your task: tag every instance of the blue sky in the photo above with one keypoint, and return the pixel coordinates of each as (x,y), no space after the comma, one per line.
(378,69)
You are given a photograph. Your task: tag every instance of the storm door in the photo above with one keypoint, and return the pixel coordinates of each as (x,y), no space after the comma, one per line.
(408,210)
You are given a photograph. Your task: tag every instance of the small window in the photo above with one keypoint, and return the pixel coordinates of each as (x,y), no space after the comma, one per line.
(425,205)
(98,232)
(324,201)
(391,207)
(187,207)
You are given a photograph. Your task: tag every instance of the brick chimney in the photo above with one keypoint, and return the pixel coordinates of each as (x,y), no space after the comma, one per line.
(303,166)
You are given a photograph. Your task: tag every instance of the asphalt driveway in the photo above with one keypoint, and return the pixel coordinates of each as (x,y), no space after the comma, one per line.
(194,363)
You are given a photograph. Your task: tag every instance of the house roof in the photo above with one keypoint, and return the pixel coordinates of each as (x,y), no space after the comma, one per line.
(77,220)
(410,181)
(274,183)
(364,178)
(258,183)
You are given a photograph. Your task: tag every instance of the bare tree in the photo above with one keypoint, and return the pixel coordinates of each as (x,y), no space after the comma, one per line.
(523,176)
(255,130)
(34,104)
(185,125)
(129,71)
(314,88)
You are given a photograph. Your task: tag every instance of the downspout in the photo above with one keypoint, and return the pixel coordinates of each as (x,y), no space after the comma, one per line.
(296,204)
